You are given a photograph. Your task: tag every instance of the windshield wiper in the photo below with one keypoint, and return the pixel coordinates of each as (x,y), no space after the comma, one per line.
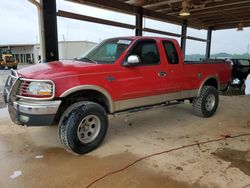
(88,59)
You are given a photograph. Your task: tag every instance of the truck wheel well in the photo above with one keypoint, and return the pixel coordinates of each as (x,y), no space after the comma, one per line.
(85,95)
(211,82)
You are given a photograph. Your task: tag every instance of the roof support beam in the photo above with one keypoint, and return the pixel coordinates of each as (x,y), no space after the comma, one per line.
(196,38)
(92,19)
(219,4)
(50,30)
(139,23)
(230,25)
(116,5)
(183,37)
(209,39)
(161,32)
(139,27)
(110,5)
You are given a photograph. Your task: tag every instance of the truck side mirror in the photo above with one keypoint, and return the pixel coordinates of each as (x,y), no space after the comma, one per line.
(132,60)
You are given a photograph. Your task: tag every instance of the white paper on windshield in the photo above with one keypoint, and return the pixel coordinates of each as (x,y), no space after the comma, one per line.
(124,42)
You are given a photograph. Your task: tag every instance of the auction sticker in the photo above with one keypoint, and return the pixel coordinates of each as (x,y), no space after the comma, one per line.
(124,42)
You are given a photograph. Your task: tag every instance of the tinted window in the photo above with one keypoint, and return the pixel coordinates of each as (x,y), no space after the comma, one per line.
(147,51)
(171,52)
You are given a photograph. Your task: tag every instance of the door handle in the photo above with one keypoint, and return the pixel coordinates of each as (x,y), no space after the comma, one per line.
(162,74)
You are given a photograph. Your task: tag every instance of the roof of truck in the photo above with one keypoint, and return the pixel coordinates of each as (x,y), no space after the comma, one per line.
(144,37)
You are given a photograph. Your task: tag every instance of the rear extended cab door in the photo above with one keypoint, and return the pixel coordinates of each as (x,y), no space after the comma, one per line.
(180,81)
(174,66)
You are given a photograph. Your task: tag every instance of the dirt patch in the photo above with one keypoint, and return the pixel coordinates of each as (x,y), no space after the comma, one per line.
(238,159)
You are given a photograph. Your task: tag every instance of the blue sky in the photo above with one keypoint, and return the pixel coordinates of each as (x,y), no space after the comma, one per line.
(21,21)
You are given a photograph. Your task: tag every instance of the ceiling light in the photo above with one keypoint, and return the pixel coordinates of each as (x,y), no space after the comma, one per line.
(240,27)
(184,11)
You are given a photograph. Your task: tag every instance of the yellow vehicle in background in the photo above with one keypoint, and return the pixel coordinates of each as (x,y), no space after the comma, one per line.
(7,60)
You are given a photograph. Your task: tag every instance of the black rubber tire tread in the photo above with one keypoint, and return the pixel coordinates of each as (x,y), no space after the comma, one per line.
(198,105)
(68,124)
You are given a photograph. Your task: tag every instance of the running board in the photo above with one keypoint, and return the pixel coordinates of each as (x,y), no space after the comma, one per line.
(144,108)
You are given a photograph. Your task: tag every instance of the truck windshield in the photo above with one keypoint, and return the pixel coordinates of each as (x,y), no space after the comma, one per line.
(107,52)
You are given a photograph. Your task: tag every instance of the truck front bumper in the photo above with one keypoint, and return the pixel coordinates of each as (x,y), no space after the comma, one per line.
(27,111)
(34,113)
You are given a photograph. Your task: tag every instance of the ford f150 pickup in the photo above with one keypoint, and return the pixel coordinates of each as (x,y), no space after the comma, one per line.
(120,75)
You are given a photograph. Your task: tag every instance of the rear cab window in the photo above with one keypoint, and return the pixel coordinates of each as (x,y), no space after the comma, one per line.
(171,52)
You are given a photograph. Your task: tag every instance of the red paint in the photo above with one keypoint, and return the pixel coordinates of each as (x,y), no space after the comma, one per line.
(130,82)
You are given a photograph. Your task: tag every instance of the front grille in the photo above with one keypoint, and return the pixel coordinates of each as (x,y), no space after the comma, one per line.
(24,87)
(11,80)
(9,59)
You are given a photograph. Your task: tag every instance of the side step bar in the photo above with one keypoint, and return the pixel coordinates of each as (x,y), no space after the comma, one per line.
(144,108)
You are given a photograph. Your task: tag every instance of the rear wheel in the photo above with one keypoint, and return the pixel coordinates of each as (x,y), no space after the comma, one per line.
(207,103)
(83,127)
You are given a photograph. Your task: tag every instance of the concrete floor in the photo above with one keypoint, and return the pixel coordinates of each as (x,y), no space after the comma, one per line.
(224,164)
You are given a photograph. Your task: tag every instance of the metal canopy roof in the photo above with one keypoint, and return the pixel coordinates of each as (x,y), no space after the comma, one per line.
(205,14)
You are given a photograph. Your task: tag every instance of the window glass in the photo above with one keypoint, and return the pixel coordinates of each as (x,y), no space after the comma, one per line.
(107,52)
(147,51)
(171,52)
(243,62)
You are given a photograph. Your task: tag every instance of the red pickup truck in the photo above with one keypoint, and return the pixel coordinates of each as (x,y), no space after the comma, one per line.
(120,75)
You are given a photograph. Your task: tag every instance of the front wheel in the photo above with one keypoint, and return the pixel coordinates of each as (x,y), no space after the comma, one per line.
(83,127)
(207,103)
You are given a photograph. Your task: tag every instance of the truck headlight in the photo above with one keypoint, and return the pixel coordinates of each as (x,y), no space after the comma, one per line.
(40,88)
(37,89)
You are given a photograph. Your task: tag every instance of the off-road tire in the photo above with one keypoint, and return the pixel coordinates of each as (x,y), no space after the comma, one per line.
(199,103)
(69,125)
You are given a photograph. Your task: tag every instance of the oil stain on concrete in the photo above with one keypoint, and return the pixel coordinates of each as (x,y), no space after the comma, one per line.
(238,159)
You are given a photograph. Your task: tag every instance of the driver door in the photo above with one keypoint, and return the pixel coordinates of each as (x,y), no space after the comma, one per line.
(144,83)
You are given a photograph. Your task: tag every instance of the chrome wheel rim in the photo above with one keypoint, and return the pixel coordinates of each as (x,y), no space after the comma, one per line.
(210,102)
(88,129)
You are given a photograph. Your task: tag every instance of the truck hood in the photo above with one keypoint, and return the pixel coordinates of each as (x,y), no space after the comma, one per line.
(59,69)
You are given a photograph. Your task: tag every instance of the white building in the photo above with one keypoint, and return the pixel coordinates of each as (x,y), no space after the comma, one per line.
(30,53)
